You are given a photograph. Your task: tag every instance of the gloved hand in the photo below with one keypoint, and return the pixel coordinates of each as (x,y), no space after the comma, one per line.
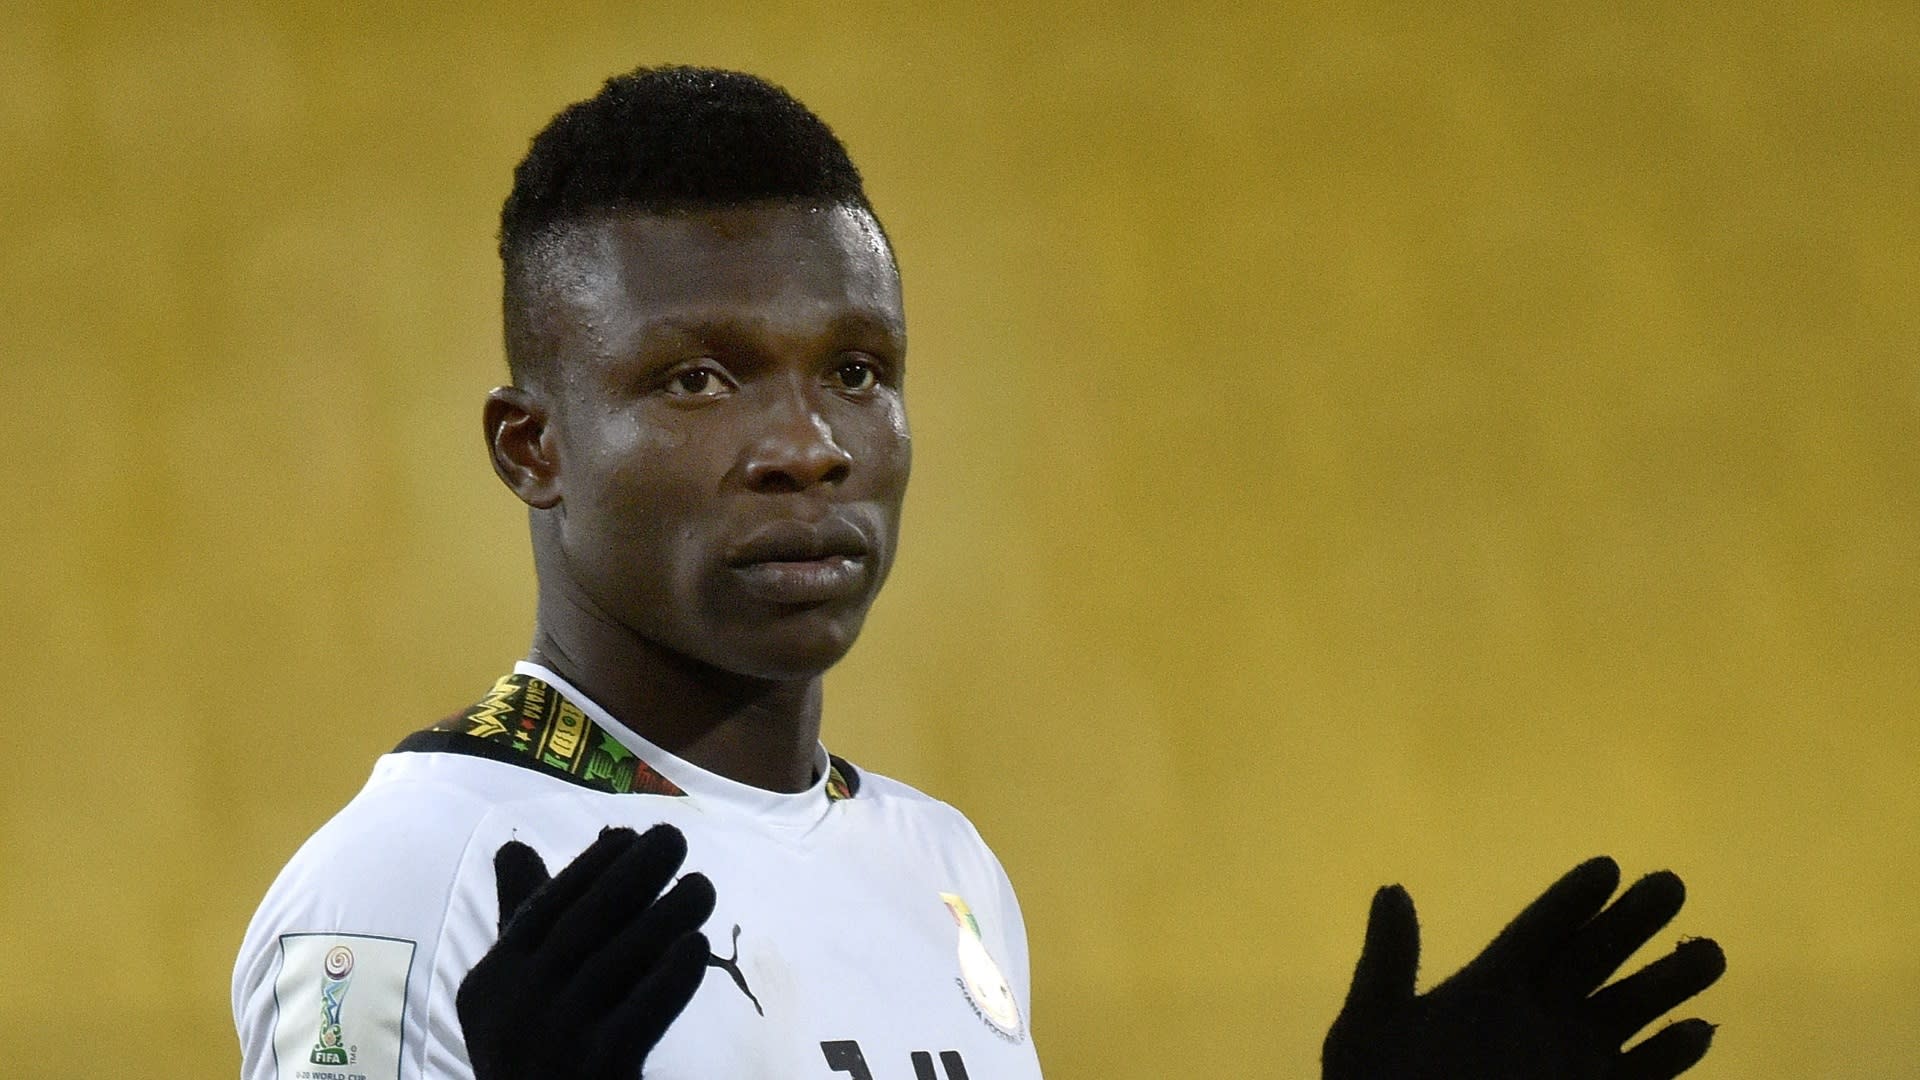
(590,967)
(1530,1005)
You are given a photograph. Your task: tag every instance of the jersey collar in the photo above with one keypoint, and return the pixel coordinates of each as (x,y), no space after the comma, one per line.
(800,809)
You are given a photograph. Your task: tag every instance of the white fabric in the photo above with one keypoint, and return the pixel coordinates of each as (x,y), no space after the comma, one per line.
(848,929)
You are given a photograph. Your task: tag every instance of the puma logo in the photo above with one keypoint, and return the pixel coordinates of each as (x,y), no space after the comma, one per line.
(731,965)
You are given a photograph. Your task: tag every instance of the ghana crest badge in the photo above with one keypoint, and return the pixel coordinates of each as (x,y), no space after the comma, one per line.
(980,977)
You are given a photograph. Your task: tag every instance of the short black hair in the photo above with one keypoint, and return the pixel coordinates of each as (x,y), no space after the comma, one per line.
(663,140)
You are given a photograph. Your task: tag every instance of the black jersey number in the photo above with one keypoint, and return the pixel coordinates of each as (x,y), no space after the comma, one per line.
(845,1056)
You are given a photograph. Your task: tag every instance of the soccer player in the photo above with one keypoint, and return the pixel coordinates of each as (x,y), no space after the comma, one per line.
(633,852)
(708,352)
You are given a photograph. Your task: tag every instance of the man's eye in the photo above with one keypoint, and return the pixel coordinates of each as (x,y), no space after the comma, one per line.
(856,375)
(696,383)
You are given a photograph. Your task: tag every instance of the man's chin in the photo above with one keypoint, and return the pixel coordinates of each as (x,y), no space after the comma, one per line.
(797,649)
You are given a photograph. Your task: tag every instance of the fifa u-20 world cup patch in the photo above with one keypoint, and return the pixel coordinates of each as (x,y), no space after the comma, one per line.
(340,1002)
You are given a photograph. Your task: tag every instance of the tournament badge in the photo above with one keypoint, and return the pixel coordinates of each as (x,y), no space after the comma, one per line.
(337,973)
(980,977)
(340,1005)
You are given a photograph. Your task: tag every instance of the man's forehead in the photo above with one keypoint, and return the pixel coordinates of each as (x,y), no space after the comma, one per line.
(700,263)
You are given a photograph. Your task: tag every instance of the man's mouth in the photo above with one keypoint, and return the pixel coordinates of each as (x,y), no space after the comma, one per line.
(805,581)
(801,563)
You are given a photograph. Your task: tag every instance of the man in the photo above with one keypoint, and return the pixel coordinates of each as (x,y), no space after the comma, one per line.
(706,422)
(705,335)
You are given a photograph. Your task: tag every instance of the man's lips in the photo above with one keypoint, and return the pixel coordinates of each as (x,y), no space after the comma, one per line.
(791,541)
(809,581)
(799,563)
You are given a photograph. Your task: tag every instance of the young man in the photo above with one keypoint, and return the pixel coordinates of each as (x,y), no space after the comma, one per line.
(705,336)
(704,329)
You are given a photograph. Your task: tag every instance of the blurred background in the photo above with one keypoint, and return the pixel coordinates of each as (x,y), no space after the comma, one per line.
(1352,446)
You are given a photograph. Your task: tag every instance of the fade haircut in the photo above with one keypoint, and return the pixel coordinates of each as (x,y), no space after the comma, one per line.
(658,140)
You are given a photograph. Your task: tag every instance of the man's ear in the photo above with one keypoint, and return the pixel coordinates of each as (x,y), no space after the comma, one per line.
(522,444)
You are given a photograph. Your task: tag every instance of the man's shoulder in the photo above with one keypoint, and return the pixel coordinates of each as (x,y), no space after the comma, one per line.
(392,853)
(933,838)
(927,818)
(877,788)
(424,801)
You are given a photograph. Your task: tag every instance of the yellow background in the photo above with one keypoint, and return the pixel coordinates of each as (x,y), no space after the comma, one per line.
(1353,446)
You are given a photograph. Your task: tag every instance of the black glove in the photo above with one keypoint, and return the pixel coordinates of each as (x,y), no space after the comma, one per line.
(590,968)
(1530,1005)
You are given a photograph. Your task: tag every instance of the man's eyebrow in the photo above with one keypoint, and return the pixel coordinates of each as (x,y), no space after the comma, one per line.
(863,320)
(852,323)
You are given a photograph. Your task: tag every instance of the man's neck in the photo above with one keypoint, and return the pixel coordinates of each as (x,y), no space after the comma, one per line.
(754,731)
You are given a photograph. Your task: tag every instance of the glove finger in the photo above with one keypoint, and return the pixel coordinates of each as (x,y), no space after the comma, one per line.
(1640,998)
(1600,947)
(535,917)
(1668,1053)
(1390,956)
(518,873)
(635,1026)
(610,973)
(1546,923)
(622,894)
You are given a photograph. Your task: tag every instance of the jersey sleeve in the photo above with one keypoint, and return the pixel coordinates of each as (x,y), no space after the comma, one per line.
(1019,968)
(1010,927)
(336,978)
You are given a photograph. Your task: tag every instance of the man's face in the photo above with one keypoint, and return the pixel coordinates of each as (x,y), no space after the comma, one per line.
(729,430)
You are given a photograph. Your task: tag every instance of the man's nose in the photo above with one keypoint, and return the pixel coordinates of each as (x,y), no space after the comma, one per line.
(795,451)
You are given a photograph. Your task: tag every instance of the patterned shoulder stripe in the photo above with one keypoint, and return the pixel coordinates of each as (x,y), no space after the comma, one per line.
(525,721)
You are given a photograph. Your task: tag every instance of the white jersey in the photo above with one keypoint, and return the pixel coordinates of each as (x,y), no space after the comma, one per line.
(862,929)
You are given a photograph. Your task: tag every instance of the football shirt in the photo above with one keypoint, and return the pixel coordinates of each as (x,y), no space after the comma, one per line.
(862,928)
